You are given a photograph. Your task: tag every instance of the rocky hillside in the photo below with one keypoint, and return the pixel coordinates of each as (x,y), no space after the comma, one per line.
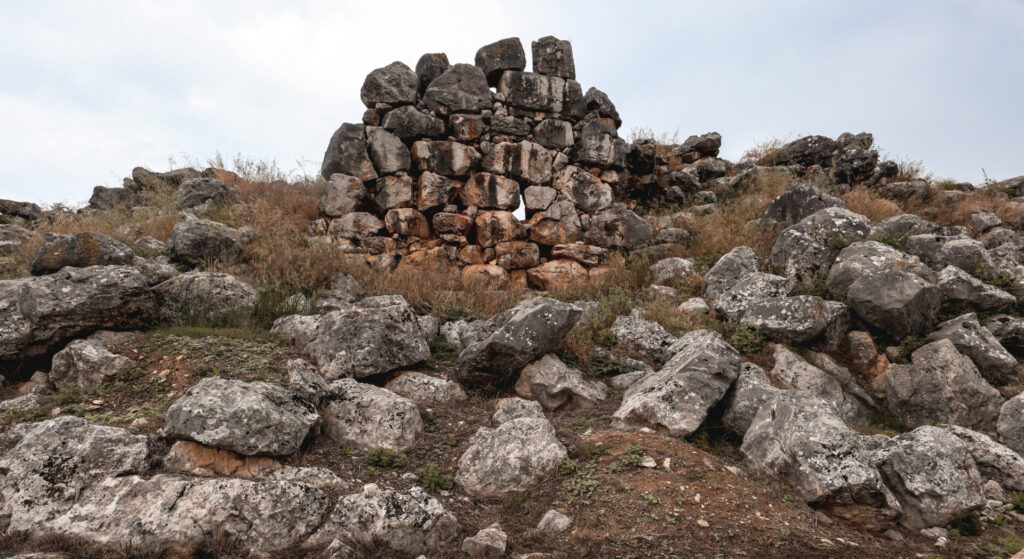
(495,328)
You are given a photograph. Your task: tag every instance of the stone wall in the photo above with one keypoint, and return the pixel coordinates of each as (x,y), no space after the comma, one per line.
(446,154)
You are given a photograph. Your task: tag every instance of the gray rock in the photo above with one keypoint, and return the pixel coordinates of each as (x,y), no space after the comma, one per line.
(1009,330)
(42,312)
(156,270)
(409,123)
(554,384)
(805,250)
(729,270)
(1010,425)
(86,364)
(373,336)
(356,226)
(618,227)
(866,257)
(588,192)
(931,474)
(510,458)
(735,301)
(895,301)
(148,246)
(462,88)
(507,409)
(247,418)
(807,151)
(984,220)
(901,226)
(598,100)
(993,460)
(80,251)
(426,390)
(430,66)
(20,404)
(554,522)
(450,159)
(196,192)
(799,201)
(13,237)
(488,542)
(787,319)
(853,166)
(957,286)
(435,191)
(801,440)
(678,396)
(146,180)
(749,393)
(553,133)
(342,194)
(346,154)
(644,338)
(24,210)
(538,198)
(487,191)
(994,363)
(405,521)
(524,161)
(196,241)
(530,94)
(694,305)
(206,296)
(104,198)
(552,56)
(804,377)
(599,145)
(393,192)
(366,416)
(495,58)
(387,151)
(941,385)
(670,268)
(514,338)
(940,251)
(305,382)
(394,84)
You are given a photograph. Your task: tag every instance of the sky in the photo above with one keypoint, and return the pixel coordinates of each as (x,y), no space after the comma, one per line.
(93,89)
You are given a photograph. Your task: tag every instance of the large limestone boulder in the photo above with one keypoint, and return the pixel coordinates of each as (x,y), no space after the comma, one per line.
(510,458)
(787,319)
(895,301)
(867,257)
(808,151)
(409,123)
(993,460)
(80,251)
(804,250)
(104,198)
(426,390)
(799,375)
(530,94)
(587,191)
(940,385)
(553,57)
(932,475)
(1011,423)
(510,340)
(373,336)
(644,338)
(86,364)
(196,241)
(409,521)
(247,418)
(618,227)
(387,151)
(679,396)
(394,84)
(346,154)
(41,312)
(524,161)
(13,237)
(668,269)
(210,296)
(752,390)
(799,201)
(495,58)
(730,269)
(367,416)
(554,384)
(959,287)
(203,191)
(800,439)
(450,159)
(994,363)
(734,302)
(489,191)
(462,88)
(1009,330)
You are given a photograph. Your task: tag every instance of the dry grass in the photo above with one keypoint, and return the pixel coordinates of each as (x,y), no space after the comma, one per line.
(766,152)
(645,133)
(863,201)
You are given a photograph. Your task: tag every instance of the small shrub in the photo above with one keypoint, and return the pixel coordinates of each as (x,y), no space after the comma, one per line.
(1017,500)
(744,338)
(605,365)
(441,351)
(910,344)
(432,479)
(1008,547)
(967,526)
(386,458)
(568,467)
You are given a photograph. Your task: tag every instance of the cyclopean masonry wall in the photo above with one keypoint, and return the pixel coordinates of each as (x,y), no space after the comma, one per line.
(446,153)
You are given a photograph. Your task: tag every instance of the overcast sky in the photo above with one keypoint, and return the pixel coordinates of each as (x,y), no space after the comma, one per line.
(90,90)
